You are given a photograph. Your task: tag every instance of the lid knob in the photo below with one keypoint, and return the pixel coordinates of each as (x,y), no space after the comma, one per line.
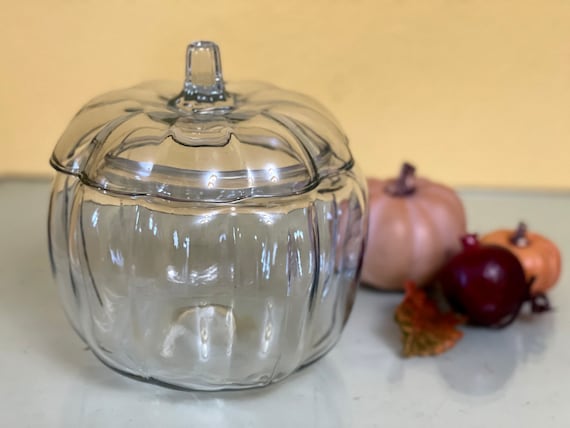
(204,81)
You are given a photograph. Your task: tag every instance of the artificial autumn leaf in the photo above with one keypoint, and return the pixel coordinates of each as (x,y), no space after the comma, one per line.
(425,329)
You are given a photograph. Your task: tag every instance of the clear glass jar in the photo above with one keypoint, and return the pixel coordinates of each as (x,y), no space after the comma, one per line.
(210,238)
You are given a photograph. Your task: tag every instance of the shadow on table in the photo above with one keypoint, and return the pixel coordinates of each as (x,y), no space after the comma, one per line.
(479,365)
(486,360)
(314,397)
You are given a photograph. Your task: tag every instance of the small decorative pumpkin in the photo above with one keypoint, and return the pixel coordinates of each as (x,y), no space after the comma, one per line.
(539,256)
(415,226)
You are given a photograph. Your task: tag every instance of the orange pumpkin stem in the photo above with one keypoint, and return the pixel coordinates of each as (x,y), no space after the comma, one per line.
(520,238)
(405,184)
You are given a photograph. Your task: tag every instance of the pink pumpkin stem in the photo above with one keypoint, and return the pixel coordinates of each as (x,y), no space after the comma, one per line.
(405,184)
(520,238)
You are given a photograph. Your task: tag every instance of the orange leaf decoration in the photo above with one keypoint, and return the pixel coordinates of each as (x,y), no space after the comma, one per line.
(425,329)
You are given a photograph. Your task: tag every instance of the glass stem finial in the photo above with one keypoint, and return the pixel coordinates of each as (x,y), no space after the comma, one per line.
(204,80)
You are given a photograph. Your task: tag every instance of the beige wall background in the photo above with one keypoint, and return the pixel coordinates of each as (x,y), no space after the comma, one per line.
(473,92)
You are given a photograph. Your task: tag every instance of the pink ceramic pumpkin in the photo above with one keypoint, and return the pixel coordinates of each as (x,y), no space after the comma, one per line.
(415,227)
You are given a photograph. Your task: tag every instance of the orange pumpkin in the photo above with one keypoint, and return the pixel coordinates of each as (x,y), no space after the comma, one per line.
(414,228)
(539,256)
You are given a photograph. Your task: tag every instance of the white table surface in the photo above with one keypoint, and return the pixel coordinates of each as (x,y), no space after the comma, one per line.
(519,376)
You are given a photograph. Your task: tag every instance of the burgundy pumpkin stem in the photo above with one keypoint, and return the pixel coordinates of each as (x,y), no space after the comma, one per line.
(470,240)
(539,303)
(520,238)
(405,184)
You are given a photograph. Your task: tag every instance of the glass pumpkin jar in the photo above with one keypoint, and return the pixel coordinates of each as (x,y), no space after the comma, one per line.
(209,238)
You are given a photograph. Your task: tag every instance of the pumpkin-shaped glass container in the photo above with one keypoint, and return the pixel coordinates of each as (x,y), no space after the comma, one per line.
(207,238)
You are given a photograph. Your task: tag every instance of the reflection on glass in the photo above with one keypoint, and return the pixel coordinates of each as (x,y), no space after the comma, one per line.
(208,297)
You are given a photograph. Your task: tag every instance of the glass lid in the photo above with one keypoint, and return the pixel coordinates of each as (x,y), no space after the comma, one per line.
(211,141)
